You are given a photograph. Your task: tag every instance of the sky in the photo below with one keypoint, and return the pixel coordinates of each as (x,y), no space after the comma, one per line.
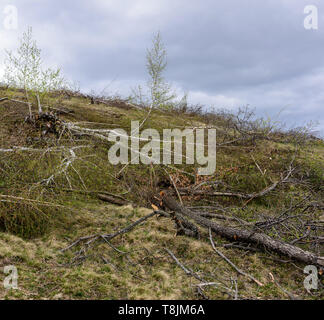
(225,54)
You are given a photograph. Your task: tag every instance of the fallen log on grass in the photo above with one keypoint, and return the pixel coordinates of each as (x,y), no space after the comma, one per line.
(236,234)
(113,200)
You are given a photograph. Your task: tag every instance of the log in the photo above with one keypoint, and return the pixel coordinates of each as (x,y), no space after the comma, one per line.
(236,234)
(60,111)
(113,200)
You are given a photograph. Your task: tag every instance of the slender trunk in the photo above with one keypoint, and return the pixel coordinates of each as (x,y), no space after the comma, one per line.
(40,110)
(29,104)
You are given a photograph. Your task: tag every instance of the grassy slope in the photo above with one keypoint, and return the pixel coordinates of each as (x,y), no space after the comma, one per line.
(146,272)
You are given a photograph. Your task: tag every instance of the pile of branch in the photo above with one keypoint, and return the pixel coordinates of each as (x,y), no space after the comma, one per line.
(249,236)
(244,196)
(87,242)
(47,122)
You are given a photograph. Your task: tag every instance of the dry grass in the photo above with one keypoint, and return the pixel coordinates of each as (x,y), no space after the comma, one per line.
(145,272)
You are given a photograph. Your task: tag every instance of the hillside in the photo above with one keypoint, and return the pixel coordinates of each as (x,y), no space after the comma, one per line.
(57,186)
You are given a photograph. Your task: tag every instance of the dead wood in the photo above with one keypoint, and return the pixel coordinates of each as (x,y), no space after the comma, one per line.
(107,237)
(245,196)
(60,111)
(193,274)
(187,271)
(231,263)
(113,200)
(95,193)
(185,227)
(237,234)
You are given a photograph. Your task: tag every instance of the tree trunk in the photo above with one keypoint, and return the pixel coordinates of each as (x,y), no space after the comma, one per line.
(235,234)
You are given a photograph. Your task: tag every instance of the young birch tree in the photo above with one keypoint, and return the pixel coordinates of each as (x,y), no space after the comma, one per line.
(156,63)
(24,70)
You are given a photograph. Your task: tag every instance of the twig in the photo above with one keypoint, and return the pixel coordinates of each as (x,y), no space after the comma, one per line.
(302,237)
(290,295)
(185,269)
(108,237)
(231,263)
(130,227)
(174,185)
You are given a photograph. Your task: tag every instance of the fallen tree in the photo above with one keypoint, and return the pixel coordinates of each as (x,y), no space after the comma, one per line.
(112,199)
(249,236)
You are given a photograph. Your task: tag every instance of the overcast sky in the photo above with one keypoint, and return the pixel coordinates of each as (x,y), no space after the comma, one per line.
(225,53)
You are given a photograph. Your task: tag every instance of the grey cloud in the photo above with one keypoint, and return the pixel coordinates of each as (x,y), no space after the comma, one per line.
(234,51)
